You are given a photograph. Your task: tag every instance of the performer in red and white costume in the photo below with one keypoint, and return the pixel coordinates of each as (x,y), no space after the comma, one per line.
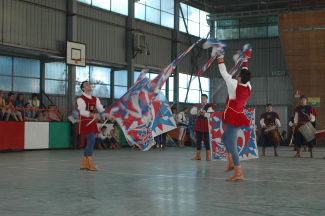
(239,90)
(304,114)
(88,106)
(201,126)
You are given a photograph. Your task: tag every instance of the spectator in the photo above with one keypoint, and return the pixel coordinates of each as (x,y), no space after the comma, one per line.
(10,104)
(43,116)
(104,139)
(28,113)
(76,138)
(19,103)
(53,117)
(115,137)
(34,102)
(182,121)
(3,111)
(58,113)
(174,112)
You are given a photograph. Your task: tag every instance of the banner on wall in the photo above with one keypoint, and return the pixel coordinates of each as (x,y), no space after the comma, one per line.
(246,143)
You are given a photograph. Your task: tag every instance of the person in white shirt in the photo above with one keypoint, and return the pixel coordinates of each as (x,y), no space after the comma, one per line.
(182,122)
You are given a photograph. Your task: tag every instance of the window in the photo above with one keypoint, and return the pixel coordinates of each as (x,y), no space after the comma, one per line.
(118,6)
(120,83)
(98,77)
(160,12)
(56,78)
(247,28)
(19,74)
(195,21)
(194,93)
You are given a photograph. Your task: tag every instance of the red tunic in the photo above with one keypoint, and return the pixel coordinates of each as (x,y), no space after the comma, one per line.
(233,113)
(91,107)
(201,122)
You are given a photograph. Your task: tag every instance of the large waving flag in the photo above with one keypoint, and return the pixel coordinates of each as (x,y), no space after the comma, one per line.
(141,114)
(246,142)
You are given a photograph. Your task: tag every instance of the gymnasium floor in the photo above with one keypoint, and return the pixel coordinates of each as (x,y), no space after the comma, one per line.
(159,182)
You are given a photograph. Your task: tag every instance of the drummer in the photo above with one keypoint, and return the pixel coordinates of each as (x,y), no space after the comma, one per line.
(268,119)
(304,114)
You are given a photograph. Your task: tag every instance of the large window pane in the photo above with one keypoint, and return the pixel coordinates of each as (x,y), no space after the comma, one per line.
(55,87)
(195,83)
(105,4)
(193,14)
(5,65)
(204,30)
(167,20)
(182,25)
(171,96)
(153,15)
(101,90)
(253,32)
(205,84)
(121,78)
(85,1)
(120,6)
(193,28)
(193,96)
(184,9)
(140,11)
(100,75)
(272,31)
(6,83)
(26,67)
(136,75)
(227,34)
(56,70)
(26,85)
(153,3)
(168,6)
(183,81)
(171,83)
(203,17)
(119,91)
(82,74)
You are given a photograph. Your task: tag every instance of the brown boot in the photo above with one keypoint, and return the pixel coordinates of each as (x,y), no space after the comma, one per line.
(276,152)
(133,146)
(208,155)
(238,174)
(298,153)
(179,142)
(263,151)
(198,155)
(90,162)
(311,152)
(104,146)
(305,148)
(84,164)
(230,163)
(100,147)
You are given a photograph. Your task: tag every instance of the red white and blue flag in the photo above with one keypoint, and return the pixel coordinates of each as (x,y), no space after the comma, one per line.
(246,143)
(142,112)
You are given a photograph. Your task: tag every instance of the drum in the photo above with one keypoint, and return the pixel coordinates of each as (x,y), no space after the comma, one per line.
(320,134)
(273,134)
(308,131)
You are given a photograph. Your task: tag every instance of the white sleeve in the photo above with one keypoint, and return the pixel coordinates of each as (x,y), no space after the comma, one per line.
(290,123)
(313,118)
(295,120)
(193,111)
(277,122)
(262,122)
(179,118)
(230,82)
(82,108)
(99,106)
(210,109)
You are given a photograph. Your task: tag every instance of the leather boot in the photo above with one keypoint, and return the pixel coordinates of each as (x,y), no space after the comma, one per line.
(263,151)
(298,153)
(276,152)
(305,148)
(90,163)
(182,144)
(100,147)
(230,163)
(238,174)
(198,155)
(311,152)
(104,146)
(84,164)
(133,146)
(208,155)
(179,142)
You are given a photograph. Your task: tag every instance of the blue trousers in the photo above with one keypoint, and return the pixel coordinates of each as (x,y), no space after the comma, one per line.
(199,140)
(229,138)
(90,144)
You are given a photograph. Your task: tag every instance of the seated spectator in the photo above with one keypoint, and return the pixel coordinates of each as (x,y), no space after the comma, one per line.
(115,137)
(58,113)
(34,102)
(53,117)
(28,113)
(43,116)
(76,138)
(3,111)
(19,103)
(10,104)
(104,139)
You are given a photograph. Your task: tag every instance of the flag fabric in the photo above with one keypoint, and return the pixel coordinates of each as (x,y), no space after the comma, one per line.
(142,112)
(246,143)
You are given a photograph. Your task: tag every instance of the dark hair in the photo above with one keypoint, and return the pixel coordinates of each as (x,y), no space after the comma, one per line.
(205,95)
(185,108)
(26,104)
(114,125)
(245,76)
(104,127)
(173,108)
(34,95)
(10,93)
(18,96)
(82,85)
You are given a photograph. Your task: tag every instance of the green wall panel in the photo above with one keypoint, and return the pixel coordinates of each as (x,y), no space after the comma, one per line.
(60,133)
